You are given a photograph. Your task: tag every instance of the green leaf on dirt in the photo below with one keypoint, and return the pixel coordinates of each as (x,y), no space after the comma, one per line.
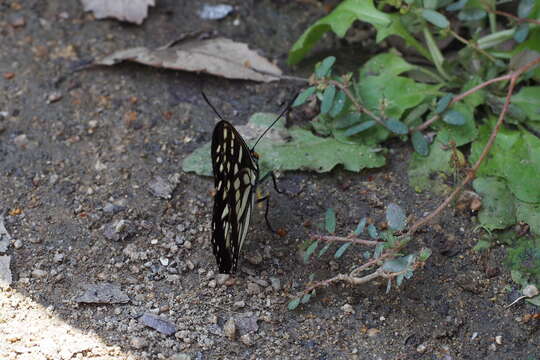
(522,31)
(339,21)
(425,253)
(323,68)
(361,226)
(528,100)
(395,217)
(339,104)
(420,143)
(498,210)
(324,249)
(341,250)
(358,128)
(330,221)
(524,257)
(303,96)
(293,304)
(530,214)
(304,151)
(398,264)
(305,298)
(429,173)
(310,251)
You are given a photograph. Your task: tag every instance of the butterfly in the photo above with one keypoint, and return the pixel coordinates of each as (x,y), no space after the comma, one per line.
(236,176)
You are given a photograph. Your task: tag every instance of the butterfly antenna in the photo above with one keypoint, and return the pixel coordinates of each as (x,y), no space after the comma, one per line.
(275,121)
(211,106)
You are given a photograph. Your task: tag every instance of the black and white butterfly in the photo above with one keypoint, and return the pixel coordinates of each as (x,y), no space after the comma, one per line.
(236,175)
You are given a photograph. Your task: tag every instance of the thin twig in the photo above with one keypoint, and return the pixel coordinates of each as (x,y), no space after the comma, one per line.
(348,239)
(472,45)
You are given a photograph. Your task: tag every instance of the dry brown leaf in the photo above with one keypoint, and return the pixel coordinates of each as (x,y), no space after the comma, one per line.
(134,11)
(220,56)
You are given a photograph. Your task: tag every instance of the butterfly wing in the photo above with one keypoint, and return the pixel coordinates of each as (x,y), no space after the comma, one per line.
(235,175)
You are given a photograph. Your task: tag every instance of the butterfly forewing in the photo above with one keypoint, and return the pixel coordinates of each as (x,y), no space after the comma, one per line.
(235,175)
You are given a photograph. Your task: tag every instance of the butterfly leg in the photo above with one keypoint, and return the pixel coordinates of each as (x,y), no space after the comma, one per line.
(267,199)
(274,181)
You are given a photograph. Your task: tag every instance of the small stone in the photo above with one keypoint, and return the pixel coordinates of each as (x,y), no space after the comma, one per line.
(164,261)
(347,308)
(421,348)
(372,332)
(239,304)
(276,283)
(161,188)
(118,230)
(21,141)
(246,340)
(222,278)
(39,274)
(35,240)
(138,342)
(212,284)
(229,329)
(255,259)
(54,97)
(180,356)
(253,289)
(474,335)
(498,340)
(187,244)
(190,265)
(18,244)
(492,347)
(58,258)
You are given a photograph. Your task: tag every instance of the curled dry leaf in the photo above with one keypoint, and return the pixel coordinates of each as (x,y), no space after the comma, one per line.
(134,11)
(220,56)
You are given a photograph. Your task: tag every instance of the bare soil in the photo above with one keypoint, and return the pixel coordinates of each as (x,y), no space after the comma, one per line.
(79,151)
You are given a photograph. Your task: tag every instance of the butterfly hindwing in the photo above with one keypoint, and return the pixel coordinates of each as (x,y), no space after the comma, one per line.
(235,175)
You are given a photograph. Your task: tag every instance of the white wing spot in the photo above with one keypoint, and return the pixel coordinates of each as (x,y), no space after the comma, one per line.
(237,184)
(236,169)
(218,149)
(225,212)
(225,133)
(246,179)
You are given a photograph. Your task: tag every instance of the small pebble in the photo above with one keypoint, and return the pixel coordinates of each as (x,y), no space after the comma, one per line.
(498,340)
(253,289)
(372,332)
(421,348)
(229,329)
(246,340)
(276,283)
(239,304)
(347,308)
(17,244)
(222,278)
(138,342)
(212,284)
(39,274)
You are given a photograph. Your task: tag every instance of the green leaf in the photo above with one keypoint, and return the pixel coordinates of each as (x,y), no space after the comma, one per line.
(305,298)
(429,173)
(461,135)
(330,221)
(323,68)
(399,28)
(358,128)
(458,5)
(395,217)
(347,120)
(415,116)
(525,7)
(341,250)
(339,104)
(310,251)
(293,304)
(420,143)
(530,214)
(361,226)
(528,100)
(434,51)
(292,149)
(435,18)
(398,264)
(303,96)
(385,64)
(522,31)
(473,14)
(515,157)
(378,250)
(454,117)
(324,249)
(498,210)
(442,104)
(425,253)
(328,99)
(396,126)
(338,21)
(372,231)
(391,88)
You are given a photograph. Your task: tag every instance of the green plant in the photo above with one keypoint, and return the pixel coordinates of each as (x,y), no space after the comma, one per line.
(477,95)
